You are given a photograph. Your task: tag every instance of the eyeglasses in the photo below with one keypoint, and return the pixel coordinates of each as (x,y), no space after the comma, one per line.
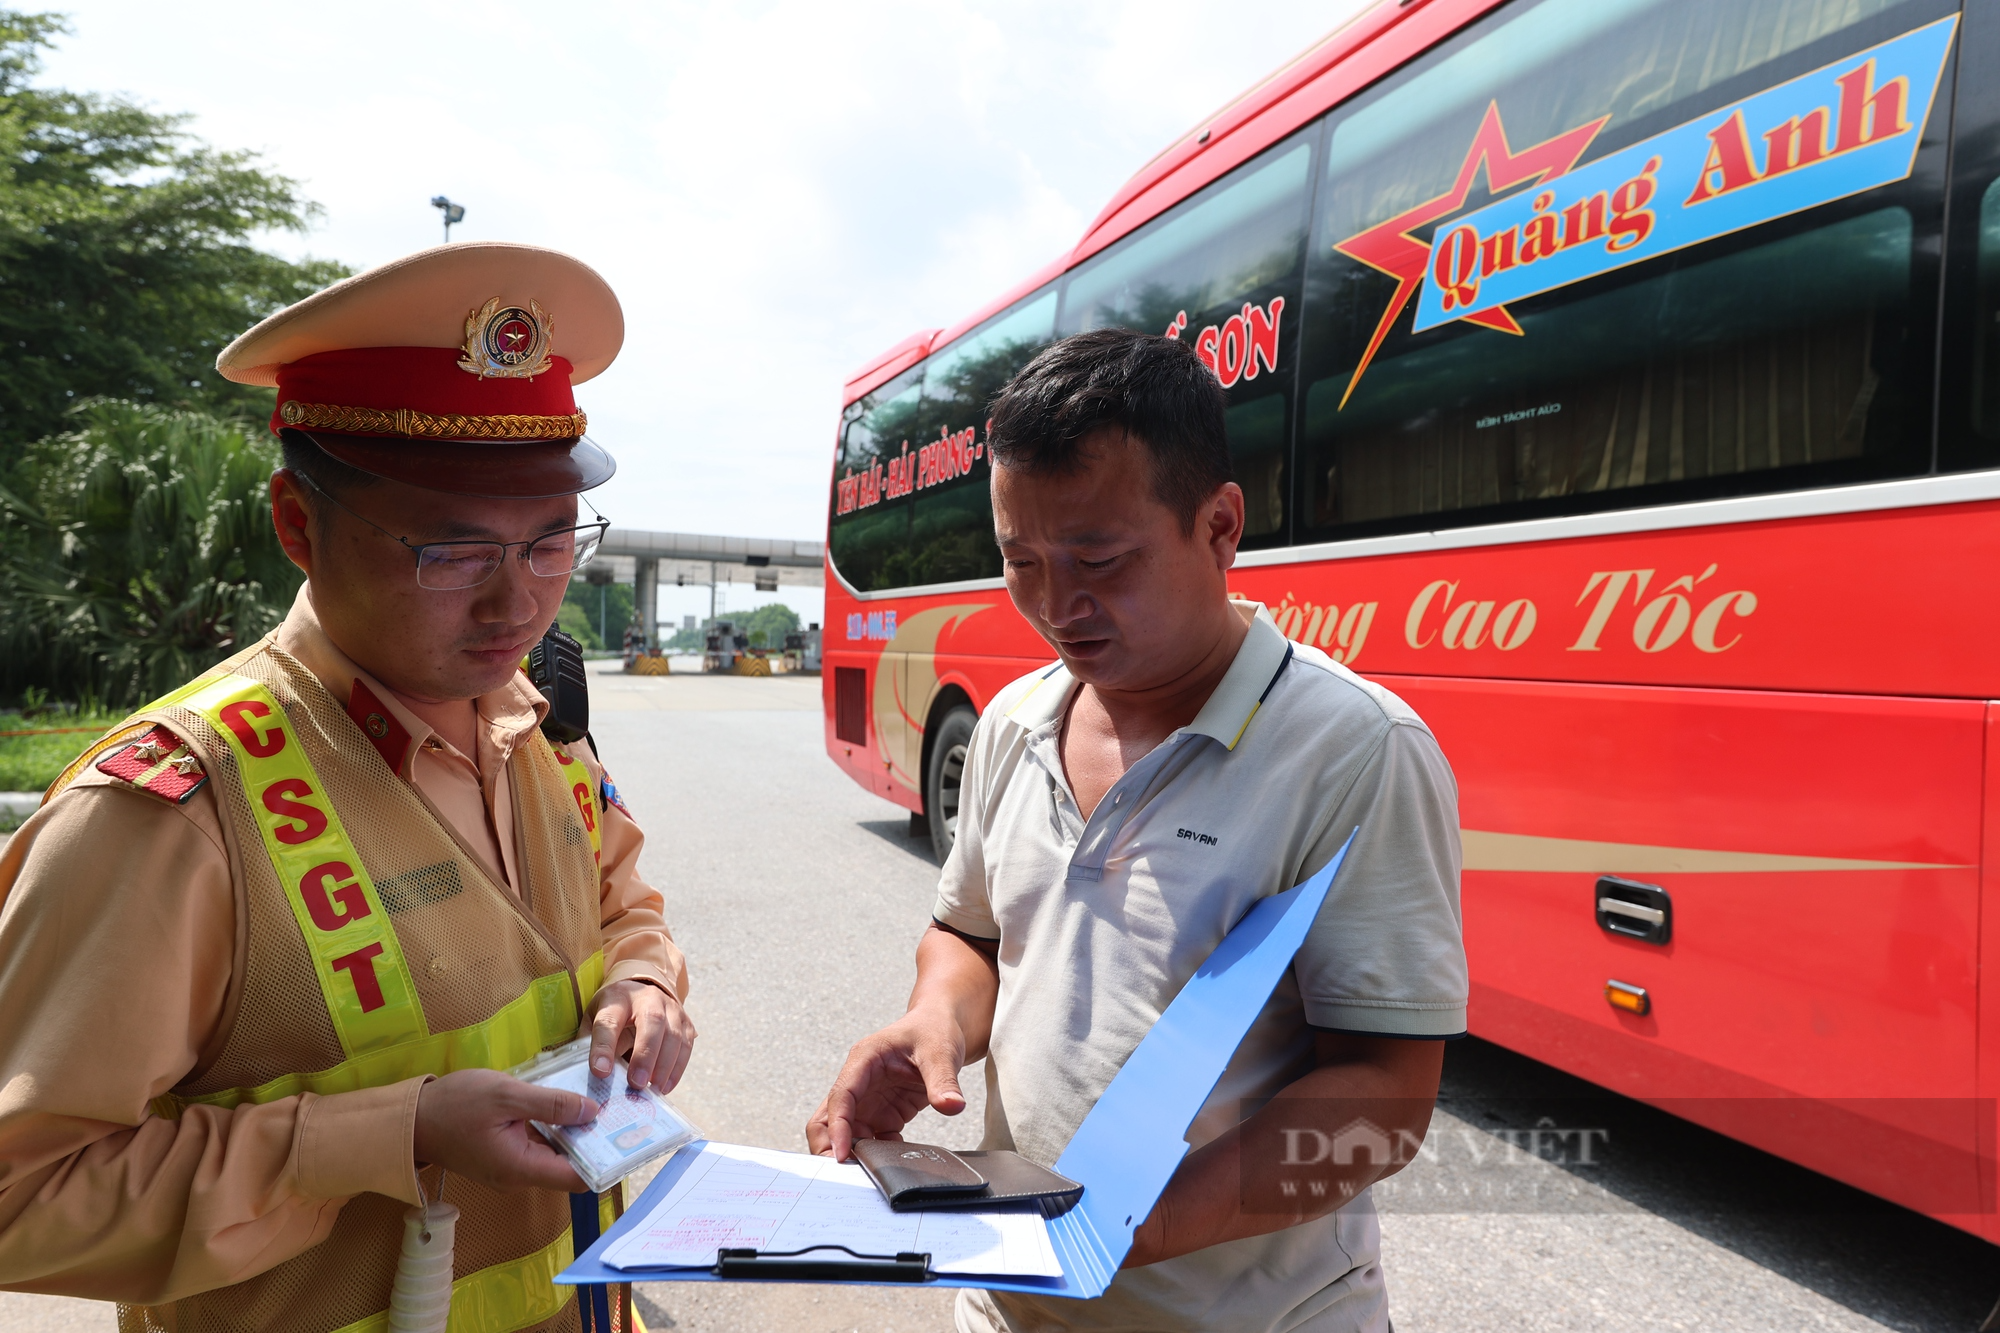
(453,566)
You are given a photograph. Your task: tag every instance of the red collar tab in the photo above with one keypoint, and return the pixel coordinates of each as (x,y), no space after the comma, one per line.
(379,725)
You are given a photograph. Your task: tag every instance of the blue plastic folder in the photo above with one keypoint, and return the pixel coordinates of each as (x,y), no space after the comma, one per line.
(1127,1148)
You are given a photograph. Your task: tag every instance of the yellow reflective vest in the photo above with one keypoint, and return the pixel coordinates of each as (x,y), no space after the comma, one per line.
(381,949)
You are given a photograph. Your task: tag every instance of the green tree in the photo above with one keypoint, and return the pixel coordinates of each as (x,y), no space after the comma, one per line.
(571,620)
(125,255)
(610,603)
(139,552)
(766,627)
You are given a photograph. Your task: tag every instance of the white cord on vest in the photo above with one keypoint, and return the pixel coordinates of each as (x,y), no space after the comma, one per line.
(420,1300)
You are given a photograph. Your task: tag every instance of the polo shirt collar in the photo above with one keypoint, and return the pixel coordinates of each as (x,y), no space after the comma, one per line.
(1226,716)
(1247,683)
(1045,699)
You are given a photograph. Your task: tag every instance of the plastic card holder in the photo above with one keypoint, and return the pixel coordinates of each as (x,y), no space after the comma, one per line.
(633,1126)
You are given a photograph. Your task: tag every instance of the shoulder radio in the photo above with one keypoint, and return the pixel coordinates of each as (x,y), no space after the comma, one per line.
(555,667)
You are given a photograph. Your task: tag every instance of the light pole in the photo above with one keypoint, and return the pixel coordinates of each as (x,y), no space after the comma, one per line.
(600,574)
(452,213)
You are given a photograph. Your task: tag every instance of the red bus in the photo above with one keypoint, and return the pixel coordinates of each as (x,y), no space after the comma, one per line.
(1618,381)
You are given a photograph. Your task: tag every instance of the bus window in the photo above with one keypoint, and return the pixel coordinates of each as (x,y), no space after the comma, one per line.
(1790,351)
(1986,331)
(869,533)
(951,523)
(1221,270)
(1969,333)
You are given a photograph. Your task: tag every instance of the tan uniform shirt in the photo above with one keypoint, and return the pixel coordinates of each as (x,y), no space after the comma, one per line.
(118,941)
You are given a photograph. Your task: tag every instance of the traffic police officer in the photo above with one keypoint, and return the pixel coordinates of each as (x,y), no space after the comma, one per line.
(267,943)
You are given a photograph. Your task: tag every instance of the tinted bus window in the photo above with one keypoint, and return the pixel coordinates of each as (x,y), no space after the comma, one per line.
(1986,329)
(869,534)
(1766,330)
(1222,270)
(951,522)
(910,501)
(1969,342)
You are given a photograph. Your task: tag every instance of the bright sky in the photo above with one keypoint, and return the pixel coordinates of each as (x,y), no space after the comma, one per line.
(777,191)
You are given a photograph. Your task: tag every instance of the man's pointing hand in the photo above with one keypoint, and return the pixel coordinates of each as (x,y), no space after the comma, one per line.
(889,1077)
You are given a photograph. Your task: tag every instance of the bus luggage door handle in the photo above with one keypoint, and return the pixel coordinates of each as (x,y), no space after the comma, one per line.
(1652,916)
(1634,911)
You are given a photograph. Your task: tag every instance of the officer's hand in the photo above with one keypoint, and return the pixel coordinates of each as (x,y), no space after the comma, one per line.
(889,1077)
(475,1123)
(640,1018)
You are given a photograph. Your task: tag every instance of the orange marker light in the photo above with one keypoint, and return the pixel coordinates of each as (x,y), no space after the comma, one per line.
(1632,999)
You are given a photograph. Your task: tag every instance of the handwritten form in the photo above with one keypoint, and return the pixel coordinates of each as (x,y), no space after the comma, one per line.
(735,1197)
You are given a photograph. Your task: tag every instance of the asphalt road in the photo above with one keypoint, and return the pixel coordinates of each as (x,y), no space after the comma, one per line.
(798,899)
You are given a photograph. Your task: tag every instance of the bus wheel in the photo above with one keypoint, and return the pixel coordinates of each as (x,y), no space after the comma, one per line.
(941,781)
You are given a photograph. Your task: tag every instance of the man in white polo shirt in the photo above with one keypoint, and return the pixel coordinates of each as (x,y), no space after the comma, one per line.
(1121,811)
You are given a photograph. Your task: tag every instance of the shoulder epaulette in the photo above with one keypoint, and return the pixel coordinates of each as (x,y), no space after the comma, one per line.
(158,763)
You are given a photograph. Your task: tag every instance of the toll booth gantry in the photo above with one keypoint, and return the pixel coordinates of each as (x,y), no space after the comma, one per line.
(699,560)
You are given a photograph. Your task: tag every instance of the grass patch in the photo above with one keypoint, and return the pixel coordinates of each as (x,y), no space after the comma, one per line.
(30,763)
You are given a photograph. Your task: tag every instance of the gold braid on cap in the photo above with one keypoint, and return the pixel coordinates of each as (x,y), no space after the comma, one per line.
(423,426)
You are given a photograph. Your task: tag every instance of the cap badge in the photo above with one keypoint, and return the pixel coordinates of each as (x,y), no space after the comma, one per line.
(507,342)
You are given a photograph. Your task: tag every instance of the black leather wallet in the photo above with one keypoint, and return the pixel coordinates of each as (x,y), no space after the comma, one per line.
(917,1176)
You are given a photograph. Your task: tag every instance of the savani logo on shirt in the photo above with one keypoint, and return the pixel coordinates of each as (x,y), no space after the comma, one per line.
(1205,839)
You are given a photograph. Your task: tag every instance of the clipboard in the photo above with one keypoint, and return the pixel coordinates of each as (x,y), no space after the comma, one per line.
(1123,1153)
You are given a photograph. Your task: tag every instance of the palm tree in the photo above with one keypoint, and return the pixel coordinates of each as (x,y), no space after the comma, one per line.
(138,551)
